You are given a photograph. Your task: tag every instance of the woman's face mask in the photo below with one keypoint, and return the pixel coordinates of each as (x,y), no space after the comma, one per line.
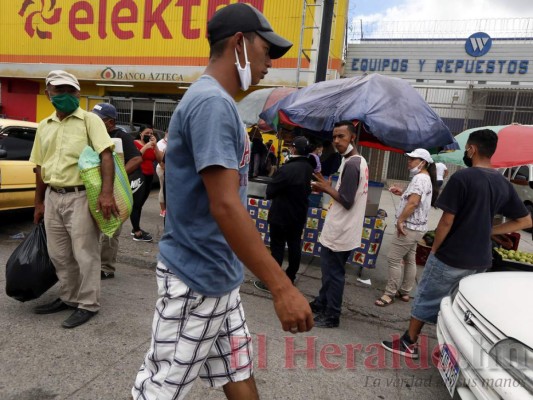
(65,102)
(245,74)
(416,170)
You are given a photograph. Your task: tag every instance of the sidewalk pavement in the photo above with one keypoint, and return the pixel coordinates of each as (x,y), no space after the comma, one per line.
(99,360)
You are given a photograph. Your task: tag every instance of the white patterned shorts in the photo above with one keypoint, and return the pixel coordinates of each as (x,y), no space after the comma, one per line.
(193,336)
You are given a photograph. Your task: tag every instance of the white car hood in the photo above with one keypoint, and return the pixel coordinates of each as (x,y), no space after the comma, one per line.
(505,299)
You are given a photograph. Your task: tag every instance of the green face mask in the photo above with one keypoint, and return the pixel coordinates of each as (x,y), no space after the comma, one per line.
(65,102)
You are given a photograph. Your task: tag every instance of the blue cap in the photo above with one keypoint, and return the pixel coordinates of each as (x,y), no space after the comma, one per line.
(105,110)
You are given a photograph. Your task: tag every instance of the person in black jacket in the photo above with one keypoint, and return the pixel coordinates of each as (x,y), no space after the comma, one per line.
(289,191)
(132,165)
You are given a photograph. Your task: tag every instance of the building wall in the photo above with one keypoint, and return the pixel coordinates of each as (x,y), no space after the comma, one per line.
(18,99)
(505,60)
(140,40)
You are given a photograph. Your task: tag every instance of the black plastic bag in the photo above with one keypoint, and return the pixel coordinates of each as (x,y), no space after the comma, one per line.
(29,270)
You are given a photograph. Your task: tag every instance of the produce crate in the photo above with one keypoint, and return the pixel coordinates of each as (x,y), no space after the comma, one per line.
(499,264)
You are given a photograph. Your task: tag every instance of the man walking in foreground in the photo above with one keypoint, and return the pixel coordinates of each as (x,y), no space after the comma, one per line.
(343,226)
(60,197)
(199,327)
(462,244)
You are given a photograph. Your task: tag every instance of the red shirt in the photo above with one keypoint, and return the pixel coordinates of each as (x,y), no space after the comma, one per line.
(147,166)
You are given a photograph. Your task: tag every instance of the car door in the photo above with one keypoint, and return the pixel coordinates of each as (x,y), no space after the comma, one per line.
(17,178)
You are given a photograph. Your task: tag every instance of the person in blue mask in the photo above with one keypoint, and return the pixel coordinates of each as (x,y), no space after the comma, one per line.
(60,197)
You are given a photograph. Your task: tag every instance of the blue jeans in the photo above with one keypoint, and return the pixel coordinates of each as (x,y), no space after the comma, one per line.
(333,272)
(438,281)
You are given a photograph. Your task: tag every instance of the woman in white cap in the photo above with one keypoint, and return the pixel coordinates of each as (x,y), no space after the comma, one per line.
(411,225)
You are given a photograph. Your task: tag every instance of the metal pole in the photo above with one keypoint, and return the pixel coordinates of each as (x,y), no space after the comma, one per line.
(325,37)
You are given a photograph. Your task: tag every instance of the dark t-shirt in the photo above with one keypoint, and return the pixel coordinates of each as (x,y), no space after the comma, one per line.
(129,148)
(474,196)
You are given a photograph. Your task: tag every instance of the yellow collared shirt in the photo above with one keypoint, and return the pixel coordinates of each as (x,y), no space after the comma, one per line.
(58,145)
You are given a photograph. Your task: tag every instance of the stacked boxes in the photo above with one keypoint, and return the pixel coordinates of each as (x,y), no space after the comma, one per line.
(364,256)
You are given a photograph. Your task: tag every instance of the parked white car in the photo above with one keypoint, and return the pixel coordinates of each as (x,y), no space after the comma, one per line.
(485,332)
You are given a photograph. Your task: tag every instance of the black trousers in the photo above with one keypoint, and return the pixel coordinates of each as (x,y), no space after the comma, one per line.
(292,236)
(139,188)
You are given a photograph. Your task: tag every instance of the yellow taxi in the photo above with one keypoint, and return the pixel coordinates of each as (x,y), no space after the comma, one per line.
(17,177)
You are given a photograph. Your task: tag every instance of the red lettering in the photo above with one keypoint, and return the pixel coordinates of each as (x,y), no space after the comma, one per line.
(155,17)
(423,345)
(259,4)
(102,19)
(261,352)
(186,29)
(350,354)
(240,354)
(309,352)
(81,7)
(325,352)
(377,360)
(213,6)
(117,19)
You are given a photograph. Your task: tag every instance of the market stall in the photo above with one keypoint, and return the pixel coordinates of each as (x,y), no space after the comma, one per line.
(390,115)
(364,256)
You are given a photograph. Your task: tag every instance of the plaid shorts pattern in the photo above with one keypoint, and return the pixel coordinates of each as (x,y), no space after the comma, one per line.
(193,336)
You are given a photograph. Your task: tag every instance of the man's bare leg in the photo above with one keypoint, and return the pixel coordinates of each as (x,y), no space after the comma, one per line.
(415,327)
(242,390)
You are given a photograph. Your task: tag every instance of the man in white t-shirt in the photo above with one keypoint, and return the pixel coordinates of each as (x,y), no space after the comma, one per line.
(343,226)
(442,172)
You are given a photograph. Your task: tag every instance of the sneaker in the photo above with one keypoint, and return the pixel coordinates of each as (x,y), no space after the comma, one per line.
(316,308)
(402,346)
(163,213)
(132,233)
(106,275)
(326,321)
(261,286)
(145,237)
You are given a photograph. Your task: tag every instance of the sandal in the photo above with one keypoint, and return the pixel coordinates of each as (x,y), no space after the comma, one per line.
(403,297)
(384,301)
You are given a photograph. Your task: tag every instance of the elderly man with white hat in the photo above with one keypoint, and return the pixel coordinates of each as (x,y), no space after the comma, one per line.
(60,197)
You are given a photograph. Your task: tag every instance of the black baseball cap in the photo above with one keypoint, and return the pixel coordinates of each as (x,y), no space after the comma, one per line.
(241,17)
(301,144)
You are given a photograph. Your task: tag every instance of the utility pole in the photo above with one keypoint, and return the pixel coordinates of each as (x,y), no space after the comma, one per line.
(325,38)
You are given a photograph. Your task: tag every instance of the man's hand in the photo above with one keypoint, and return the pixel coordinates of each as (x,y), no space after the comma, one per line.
(320,185)
(400,228)
(107,205)
(38,213)
(293,311)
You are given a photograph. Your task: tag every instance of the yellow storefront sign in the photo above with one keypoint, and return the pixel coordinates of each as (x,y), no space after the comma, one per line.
(144,40)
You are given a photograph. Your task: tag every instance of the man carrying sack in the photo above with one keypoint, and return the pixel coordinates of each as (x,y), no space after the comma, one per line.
(73,237)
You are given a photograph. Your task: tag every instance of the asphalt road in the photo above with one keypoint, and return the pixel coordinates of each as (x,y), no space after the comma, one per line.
(99,360)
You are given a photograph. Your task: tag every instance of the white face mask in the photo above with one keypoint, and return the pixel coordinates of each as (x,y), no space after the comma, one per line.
(245,74)
(348,150)
(415,170)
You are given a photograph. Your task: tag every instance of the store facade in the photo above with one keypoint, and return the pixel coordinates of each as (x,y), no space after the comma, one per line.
(141,55)
(474,81)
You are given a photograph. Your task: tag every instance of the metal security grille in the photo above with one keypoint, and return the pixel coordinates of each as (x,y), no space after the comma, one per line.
(163,110)
(124,110)
(462,108)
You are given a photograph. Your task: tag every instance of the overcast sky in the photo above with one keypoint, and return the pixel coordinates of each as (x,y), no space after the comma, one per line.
(376,11)
(399,10)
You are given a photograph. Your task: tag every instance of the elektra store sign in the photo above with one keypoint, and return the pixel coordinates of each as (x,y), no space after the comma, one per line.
(478,58)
